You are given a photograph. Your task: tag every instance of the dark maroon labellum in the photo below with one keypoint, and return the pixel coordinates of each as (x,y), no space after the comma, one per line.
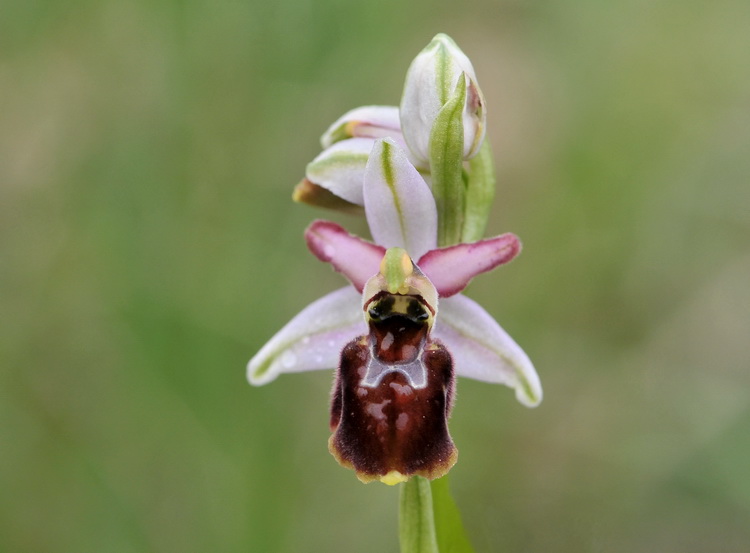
(392,398)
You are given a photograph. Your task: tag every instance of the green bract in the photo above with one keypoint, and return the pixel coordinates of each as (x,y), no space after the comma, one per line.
(446,149)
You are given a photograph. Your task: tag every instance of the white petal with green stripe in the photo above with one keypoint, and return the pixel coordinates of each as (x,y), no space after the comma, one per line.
(341,168)
(482,350)
(311,340)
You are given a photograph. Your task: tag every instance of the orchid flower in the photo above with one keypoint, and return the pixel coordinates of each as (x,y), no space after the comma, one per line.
(439,81)
(389,287)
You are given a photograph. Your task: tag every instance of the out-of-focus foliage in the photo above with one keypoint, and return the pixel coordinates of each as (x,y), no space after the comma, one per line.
(148,247)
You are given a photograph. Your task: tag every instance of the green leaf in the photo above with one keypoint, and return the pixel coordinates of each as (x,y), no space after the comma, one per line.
(480,192)
(451,536)
(416,521)
(446,166)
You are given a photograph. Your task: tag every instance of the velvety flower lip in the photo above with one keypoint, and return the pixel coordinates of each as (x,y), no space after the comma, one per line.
(393,431)
(393,392)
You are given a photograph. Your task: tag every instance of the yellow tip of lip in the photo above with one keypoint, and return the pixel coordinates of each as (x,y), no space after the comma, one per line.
(392,478)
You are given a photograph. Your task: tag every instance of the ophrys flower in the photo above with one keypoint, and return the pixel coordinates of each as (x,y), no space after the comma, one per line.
(401,213)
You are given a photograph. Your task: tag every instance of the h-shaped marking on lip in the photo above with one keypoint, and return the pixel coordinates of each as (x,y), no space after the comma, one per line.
(414,371)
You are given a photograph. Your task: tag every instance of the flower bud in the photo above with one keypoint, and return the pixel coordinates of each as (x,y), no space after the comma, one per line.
(431,82)
(364,122)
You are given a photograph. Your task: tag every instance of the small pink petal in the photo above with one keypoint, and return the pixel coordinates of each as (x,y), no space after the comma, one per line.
(450,269)
(356,259)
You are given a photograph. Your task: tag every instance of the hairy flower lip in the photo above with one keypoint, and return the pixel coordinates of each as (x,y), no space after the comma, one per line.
(390,429)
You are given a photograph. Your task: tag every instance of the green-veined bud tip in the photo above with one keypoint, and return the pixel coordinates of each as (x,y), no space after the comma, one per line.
(443,39)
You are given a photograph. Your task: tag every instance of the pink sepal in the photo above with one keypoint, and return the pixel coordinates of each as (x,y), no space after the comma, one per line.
(450,269)
(356,259)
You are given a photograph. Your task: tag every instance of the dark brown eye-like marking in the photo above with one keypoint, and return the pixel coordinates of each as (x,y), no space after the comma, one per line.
(416,312)
(382,309)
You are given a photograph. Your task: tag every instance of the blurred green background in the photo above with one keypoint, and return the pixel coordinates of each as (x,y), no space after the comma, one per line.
(149,247)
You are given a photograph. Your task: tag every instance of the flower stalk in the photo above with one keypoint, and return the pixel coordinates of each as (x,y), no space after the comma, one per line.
(416,517)
(429,520)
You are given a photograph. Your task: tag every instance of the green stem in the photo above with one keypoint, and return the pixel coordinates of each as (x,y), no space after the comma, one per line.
(416,519)
(429,521)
